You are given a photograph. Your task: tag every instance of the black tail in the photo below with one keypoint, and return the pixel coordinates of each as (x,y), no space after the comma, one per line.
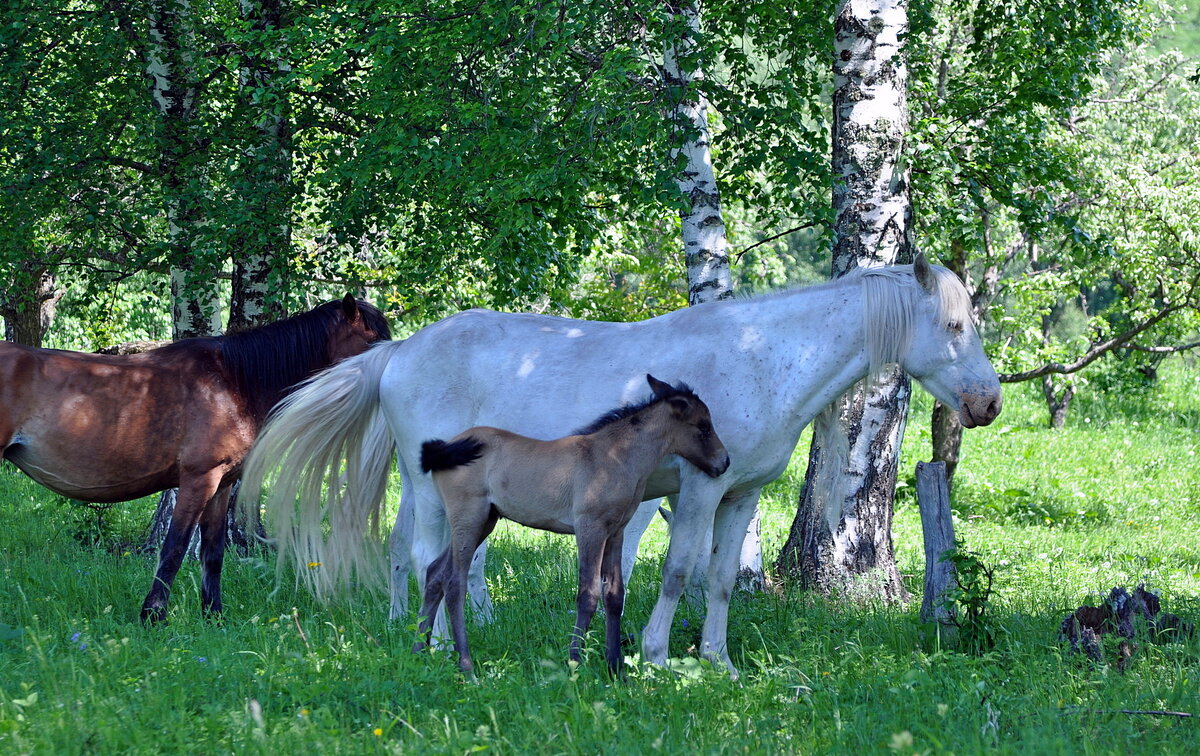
(445,455)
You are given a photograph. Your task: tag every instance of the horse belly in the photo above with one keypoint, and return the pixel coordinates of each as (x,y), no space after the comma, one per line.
(103,481)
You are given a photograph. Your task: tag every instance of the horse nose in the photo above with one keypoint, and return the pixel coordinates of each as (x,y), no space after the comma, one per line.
(724,465)
(993,408)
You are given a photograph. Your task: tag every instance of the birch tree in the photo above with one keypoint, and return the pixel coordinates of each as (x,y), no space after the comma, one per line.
(841,535)
(171,64)
(263,185)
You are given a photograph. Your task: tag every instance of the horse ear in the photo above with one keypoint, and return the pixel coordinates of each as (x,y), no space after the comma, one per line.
(658,387)
(350,308)
(923,272)
(678,404)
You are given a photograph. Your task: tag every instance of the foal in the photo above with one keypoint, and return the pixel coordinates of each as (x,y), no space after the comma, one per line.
(588,484)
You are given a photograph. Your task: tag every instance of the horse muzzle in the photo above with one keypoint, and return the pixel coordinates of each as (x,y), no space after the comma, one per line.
(979,410)
(719,470)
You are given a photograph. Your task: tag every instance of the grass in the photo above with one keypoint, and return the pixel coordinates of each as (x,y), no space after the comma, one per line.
(1111,500)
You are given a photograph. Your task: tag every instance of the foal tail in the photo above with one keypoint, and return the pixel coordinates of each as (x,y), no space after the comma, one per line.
(446,455)
(328,449)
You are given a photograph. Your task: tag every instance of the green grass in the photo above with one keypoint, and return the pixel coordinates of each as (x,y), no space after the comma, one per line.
(1111,500)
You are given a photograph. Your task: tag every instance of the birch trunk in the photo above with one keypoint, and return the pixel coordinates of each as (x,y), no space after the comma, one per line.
(170,57)
(841,538)
(265,186)
(705,246)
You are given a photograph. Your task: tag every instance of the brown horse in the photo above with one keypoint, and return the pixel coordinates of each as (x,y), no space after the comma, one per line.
(588,484)
(112,428)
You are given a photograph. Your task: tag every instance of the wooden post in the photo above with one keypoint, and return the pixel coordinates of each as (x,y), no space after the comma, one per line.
(933,498)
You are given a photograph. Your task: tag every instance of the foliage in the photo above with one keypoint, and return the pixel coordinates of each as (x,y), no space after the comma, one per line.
(968,601)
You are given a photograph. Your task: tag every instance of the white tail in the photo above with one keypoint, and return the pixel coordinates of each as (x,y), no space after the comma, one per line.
(328,449)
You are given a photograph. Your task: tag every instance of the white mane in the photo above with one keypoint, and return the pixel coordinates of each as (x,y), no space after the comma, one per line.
(890,297)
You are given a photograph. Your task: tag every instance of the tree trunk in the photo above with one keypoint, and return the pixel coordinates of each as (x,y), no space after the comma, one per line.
(28,304)
(1058,399)
(705,246)
(265,186)
(947,438)
(171,57)
(841,539)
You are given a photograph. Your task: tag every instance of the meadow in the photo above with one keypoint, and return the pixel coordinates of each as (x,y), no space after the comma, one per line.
(1062,517)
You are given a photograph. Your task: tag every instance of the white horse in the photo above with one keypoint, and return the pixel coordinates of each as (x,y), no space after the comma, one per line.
(766,366)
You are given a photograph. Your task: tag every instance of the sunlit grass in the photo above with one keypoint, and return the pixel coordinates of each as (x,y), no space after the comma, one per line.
(1063,517)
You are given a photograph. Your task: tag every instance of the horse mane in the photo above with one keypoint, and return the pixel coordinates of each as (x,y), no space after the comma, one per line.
(890,297)
(627,410)
(265,362)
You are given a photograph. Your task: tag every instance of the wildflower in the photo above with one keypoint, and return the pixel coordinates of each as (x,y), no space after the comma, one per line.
(313,565)
(378,732)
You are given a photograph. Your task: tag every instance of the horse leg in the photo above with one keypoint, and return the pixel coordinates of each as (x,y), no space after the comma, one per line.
(467,537)
(729,530)
(690,526)
(194,494)
(642,517)
(400,543)
(213,532)
(614,600)
(431,536)
(591,554)
(481,601)
(435,589)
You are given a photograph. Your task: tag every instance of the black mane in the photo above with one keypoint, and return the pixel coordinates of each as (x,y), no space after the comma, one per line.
(620,413)
(265,362)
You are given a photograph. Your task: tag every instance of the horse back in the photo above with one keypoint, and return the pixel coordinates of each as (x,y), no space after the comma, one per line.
(114,427)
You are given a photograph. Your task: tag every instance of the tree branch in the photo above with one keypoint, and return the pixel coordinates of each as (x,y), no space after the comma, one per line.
(1095,352)
(738,255)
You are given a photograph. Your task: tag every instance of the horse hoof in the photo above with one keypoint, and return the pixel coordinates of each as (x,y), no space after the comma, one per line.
(154,615)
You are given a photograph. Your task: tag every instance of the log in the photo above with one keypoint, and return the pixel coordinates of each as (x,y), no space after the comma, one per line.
(937,526)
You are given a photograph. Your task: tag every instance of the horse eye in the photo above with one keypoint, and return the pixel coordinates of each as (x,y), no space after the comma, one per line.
(955,325)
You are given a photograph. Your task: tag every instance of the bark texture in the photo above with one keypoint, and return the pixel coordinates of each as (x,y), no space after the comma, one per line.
(265,186)
(170,55)
(705,247)
(840,541)
(28,304)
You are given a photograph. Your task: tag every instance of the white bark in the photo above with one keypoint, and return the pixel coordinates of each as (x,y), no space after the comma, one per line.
(841,539)
(170,60)
(265,174)
(704,245)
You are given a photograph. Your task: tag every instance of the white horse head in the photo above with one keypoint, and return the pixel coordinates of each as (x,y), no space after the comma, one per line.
(928,328)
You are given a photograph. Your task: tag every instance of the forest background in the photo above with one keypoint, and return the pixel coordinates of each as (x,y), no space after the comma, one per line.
(169,169)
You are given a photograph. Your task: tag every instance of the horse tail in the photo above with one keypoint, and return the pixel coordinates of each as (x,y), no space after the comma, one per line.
(327,449)
(446,455)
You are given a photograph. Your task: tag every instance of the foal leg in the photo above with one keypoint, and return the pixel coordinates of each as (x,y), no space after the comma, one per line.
(591,554)
(435,589)
(729,531)
(195,491)
(214,529)
(614,600)
(467,537)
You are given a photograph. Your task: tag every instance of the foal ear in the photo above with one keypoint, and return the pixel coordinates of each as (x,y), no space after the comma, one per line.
(660,388)
(350,308)
(924,273)
(679,405)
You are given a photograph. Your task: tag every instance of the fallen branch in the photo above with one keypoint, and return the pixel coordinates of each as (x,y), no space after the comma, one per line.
(1146,712)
